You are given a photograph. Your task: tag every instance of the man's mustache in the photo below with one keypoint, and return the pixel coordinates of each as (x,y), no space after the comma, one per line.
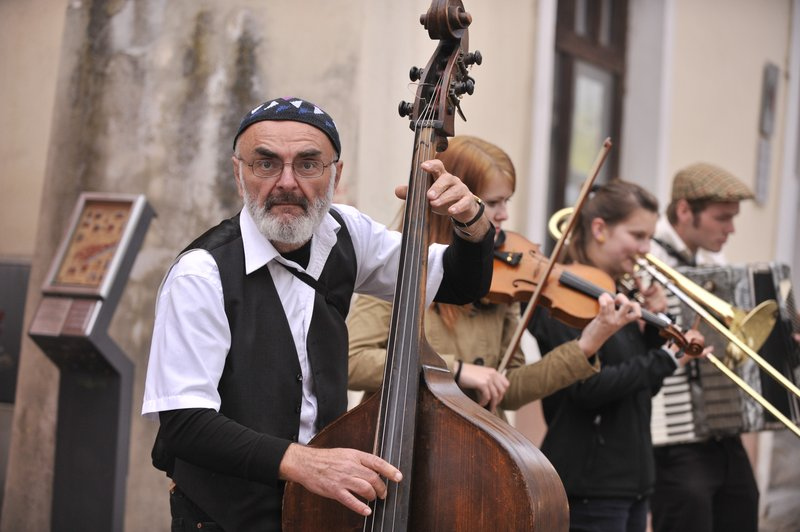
(286,199)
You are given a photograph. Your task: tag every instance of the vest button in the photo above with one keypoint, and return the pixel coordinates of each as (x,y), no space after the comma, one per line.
(297,409)
(299,377)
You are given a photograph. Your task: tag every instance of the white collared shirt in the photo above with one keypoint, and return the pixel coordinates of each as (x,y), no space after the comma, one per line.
(191,336)
(667,234)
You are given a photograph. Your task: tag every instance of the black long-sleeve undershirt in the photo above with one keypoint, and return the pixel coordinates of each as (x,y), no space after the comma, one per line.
(208,439)
(467,270)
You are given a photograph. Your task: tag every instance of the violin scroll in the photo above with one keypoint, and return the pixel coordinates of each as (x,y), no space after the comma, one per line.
(691,347)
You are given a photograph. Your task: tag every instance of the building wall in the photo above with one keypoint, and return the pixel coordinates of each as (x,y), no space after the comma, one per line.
(716,100)
(498,110)
(30,52)
(30,44)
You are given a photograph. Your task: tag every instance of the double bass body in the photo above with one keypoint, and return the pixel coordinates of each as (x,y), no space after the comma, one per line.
(471,470)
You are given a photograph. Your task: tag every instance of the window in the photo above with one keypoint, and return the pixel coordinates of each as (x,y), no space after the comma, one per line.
(587,98)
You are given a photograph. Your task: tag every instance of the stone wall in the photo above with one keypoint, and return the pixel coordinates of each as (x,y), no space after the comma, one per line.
(149,95)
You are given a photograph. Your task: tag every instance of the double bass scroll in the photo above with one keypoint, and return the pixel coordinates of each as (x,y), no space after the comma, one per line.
(463,468)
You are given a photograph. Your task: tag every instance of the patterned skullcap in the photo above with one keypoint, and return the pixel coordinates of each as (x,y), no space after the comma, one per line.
(703,181)
(296,110)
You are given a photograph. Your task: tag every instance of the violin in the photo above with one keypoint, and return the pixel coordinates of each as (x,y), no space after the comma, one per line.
(570,291)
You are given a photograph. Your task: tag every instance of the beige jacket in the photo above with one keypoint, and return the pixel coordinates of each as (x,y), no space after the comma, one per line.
(483,334)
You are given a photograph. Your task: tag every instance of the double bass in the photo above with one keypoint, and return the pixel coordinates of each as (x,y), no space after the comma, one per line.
(463,468)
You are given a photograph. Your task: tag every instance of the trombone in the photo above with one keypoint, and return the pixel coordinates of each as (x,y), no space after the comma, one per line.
(751,327)
(746,332)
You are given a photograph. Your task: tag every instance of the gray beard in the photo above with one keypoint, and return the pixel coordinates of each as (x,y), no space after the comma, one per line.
(296,231)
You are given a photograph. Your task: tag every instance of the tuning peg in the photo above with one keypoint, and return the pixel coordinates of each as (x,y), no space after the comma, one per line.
(415,73)
(473,58)
(405,108)
(462,87)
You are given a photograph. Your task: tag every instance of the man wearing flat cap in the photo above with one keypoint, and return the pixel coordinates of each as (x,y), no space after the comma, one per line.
(249,351)
(709,485)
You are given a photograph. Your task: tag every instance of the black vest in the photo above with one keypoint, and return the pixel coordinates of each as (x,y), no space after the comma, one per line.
(261,384)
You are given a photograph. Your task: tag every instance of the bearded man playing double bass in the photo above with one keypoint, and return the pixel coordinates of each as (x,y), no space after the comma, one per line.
(249,351)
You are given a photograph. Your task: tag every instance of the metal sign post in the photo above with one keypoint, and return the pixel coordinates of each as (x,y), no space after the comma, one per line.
(81,292)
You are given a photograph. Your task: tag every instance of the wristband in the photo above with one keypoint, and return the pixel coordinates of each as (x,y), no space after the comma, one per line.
(458,371)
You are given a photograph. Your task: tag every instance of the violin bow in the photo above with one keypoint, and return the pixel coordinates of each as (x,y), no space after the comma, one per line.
(526,316)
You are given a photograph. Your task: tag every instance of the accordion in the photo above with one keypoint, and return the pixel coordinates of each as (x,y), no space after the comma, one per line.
(698,401)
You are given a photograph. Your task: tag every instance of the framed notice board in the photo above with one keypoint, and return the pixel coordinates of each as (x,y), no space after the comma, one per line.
(91,254)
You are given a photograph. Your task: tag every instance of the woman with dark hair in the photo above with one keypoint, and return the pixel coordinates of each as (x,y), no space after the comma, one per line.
(473,338)
(598,436)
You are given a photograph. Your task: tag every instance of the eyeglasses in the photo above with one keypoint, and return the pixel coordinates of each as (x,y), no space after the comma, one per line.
(271,168)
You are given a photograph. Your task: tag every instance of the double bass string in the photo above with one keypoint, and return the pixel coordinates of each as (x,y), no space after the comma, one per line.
(407,319)
(417,261)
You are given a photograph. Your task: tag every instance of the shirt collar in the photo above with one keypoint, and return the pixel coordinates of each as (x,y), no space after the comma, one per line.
(258,251)
(667,234)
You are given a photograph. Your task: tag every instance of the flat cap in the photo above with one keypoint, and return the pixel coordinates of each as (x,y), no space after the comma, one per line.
(704,181)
